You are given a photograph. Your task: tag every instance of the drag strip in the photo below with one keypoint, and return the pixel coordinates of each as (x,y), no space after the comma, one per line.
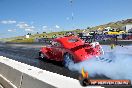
(28,54)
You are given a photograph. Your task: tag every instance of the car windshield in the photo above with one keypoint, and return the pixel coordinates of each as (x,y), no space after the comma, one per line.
(73,40)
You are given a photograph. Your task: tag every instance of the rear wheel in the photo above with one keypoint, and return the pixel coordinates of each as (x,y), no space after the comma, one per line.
(67,59)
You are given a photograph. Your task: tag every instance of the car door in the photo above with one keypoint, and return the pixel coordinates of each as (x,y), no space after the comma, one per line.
(57,51)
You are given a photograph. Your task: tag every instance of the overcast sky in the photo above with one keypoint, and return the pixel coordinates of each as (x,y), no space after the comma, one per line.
(18,17)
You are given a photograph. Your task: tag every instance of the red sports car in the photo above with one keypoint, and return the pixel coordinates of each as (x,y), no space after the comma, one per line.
(70,48)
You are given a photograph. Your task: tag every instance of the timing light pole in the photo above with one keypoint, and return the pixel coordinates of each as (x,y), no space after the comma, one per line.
(72,18)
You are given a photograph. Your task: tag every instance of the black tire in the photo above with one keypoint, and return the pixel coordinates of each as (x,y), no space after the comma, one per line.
(85,82)
(67,59)
(41,55)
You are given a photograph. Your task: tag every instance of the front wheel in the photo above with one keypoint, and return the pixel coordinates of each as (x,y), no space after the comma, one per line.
(41,55)
(67,59)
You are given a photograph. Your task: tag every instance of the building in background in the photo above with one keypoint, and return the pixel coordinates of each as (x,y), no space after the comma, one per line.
(127,28)
(27,36)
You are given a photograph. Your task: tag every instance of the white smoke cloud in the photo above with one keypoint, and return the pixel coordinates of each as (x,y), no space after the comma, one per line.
(119,68)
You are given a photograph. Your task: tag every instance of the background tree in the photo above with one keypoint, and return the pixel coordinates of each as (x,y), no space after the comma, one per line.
(88,27)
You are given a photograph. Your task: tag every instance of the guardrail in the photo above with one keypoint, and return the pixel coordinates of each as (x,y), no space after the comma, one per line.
(20,75)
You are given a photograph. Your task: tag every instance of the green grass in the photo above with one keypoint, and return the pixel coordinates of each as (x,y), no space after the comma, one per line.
(26,40)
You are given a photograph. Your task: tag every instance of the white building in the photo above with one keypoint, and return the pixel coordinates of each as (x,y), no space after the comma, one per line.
(127,28)
(27,36)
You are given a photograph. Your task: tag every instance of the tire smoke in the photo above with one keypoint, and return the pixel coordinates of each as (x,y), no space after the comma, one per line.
(119,68)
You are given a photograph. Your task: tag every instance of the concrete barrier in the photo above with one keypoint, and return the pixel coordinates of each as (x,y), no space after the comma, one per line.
(11,74)
(24,76)
(31,82)
(4,83)
(1,86)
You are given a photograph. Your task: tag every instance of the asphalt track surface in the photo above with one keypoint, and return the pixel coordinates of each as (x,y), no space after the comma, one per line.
(28,53)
